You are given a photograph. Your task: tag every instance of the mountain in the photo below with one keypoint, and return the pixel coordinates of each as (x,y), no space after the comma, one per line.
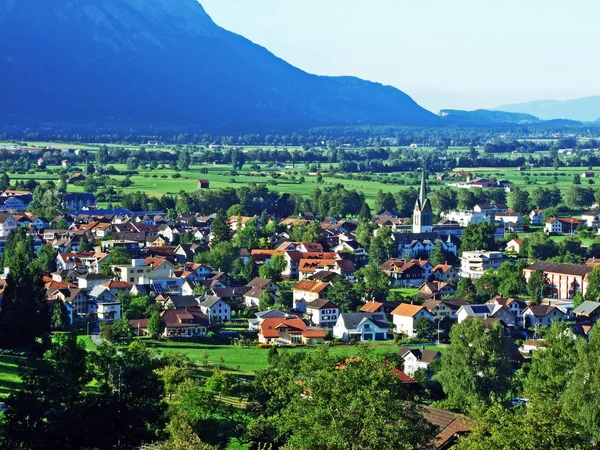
(148,64)
(485,117)
(586,109)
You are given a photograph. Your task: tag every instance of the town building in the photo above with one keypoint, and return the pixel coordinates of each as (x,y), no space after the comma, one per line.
(474,263)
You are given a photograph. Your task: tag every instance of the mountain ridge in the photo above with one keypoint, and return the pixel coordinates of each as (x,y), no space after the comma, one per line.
(143,64)
(583,109)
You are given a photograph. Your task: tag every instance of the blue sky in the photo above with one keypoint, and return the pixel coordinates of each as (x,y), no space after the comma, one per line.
(462,54)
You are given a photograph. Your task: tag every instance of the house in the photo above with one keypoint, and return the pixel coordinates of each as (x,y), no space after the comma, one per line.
(77,176)
(514,245)
(307,291)
(360,327)
(443,309)
(215,309)
(373,307)
(286,331)
(562,225)
(7,224)
(109,311)
(78,298)
(542,315)
(118,287)
(416,358)
(587,311)
(405,316)
(514,305)
(405,273)
(474,263)
(101,294)
(565,280)
(265,283)
(536,216)
(591,218)
(435,290)
(184,323)
(323,312)
(445,272)
(510,221)
(90,280)
(254,324)
(79,201)
(465,218)
(145,268)
(486,311)
(203,184)
(587,175)
(449,427)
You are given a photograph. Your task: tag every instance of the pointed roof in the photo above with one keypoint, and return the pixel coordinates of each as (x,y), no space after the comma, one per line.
(423,190)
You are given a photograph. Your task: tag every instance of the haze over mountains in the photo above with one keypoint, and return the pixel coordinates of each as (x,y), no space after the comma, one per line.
(586,109)
(165,64)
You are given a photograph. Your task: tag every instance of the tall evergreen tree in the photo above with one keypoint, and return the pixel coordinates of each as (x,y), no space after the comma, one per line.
(60,316)
(220,227)
(24,315)
(437,255)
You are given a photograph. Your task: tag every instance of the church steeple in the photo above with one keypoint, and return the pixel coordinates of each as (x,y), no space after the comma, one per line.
(423,190)
(423,214)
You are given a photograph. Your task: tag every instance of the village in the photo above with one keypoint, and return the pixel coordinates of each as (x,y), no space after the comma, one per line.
(298,292)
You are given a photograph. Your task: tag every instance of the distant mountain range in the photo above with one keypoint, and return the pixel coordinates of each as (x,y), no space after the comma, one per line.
(485,117)
(586,109)
(164,64)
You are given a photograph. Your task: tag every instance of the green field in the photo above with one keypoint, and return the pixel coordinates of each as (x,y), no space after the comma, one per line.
(9,375)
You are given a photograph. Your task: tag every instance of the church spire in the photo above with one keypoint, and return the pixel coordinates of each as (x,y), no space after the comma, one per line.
(423,191)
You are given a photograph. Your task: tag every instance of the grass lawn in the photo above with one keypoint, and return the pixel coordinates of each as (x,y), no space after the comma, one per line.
(9,375)
(404,292)
(247,360)
(87,341)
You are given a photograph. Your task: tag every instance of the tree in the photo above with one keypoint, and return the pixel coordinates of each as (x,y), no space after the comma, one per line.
(577,299)
(286,408)
(119,332)
(511,280)
(465,290)
(593,290)
(60,320)
(476,367)
(537,286)
(580,397)
(519,199)
(219,228)
(424,328)
(540,246)
(478,236)
(503,428)
(184,160)
(274,268)
(487,286)
(131,400)
(156,325)
(265,301)
(549,213)
(342,293)
(384,201)
(181,437)
(405,201)
(49,399)
(365,213)
(247,237)
(46,202)
(382,247)
(221,256)
(23,316)
(46,258)
(444,199)
(437,254)
(374,282)
(173,376)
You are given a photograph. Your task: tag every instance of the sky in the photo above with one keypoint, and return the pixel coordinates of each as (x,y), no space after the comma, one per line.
(460,54)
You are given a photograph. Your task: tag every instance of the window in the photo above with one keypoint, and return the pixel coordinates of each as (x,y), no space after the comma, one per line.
(367,326)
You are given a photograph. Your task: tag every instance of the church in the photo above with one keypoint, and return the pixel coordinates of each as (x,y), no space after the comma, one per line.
(421,241)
